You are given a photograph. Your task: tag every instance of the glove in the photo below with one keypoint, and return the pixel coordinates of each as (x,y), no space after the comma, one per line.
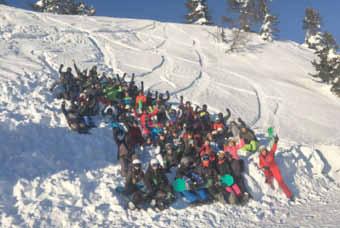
(276,139)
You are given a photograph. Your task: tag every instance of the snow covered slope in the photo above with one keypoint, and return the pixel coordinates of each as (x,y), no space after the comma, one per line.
(51,177)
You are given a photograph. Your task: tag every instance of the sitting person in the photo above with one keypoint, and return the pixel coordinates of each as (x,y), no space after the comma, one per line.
(74,120)
(134,183)
(248,135)
(157,185)
(195,193)
(235,193)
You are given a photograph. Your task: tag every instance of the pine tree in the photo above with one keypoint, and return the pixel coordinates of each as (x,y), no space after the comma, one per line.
(269,26)
(312,25)
(244,16)
(198,12)
(328,64)
(223,35)
(336,86)
(248,14)
(239,40)
(71,7)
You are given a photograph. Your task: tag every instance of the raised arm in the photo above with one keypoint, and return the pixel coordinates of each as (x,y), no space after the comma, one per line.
(76,68)
(274,147)
(132,80)
(142,86)
(61,68)
(181,100)
(226,118)
(123,78)
(119,80)
(167,96)
(63,109)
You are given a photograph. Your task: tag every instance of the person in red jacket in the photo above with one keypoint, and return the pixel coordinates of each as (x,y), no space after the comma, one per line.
(145,119)
(271,169)
(206,150)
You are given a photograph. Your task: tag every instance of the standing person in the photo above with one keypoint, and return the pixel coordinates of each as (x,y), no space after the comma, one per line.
(134,137)
(271,169)
(124,156)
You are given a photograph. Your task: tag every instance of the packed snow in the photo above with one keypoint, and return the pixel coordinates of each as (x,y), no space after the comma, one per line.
(52,177)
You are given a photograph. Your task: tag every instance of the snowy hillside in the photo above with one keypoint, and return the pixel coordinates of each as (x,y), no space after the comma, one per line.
(51,177)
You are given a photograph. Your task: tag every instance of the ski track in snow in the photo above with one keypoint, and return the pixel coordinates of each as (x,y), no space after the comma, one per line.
(51,177)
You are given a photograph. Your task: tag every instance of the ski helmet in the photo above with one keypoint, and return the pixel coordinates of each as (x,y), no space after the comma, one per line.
(136,161)
(186,161)
(137,164)
(154,162)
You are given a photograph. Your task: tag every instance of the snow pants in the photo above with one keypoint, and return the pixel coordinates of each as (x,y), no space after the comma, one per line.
(194,196)
(134,193)
(274,172)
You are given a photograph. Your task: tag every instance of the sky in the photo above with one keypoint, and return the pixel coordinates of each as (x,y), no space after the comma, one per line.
(290,12)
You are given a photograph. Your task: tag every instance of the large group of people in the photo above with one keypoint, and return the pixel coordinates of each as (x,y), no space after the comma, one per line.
(182,139)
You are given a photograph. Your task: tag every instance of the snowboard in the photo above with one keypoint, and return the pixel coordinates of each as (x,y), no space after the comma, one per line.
(183,184)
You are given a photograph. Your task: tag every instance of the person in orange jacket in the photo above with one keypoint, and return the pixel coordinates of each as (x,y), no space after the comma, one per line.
(271,169)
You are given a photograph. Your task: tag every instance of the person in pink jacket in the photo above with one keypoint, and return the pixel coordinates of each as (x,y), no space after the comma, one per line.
(232,148)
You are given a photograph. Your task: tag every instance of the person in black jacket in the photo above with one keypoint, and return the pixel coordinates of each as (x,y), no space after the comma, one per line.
(249,137)
(74,120)
(69,83)
(207,171)
(157,185)
(133,184)
(224,166)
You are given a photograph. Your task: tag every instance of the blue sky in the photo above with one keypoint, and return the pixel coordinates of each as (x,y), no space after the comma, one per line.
(290,12)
